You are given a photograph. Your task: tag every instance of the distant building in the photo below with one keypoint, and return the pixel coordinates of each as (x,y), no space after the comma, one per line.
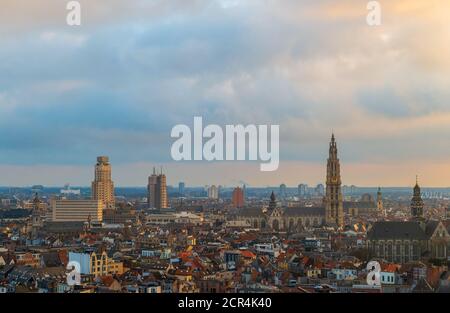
(37,189)
(366,205)
(302,190)
(103,186)
(213,192)
(67,191)
(283,192)
(76,210)
(319,190)
(125,214)
(238,197)
(157,191)
(176,218)
(181,187)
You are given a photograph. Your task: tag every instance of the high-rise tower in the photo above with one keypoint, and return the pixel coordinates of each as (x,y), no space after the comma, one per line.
(103,186)
(157,191)
(417,203)
(237,197)
(334,211)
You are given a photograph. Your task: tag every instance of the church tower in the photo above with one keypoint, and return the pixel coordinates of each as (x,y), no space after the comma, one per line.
(273,202)
(334,211)
(36,219)
(417,203)
(380,207)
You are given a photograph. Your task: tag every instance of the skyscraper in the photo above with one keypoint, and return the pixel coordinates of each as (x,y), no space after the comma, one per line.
(334,211)
(103,186)
(157,191)
(238,197)
(181,186)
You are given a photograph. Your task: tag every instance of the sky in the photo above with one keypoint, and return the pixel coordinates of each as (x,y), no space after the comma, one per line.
(117,84)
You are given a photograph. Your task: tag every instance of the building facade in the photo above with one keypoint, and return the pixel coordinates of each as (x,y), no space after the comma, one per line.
(157,191)
(97,264)
(77,210)
(103,186)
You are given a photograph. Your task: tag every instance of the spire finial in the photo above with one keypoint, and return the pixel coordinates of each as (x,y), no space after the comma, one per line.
(417,179)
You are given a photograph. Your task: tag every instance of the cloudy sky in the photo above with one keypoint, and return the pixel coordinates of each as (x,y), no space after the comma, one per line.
(118,83)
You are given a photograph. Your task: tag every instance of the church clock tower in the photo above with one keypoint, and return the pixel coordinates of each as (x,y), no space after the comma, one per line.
(334,211)
(417,203)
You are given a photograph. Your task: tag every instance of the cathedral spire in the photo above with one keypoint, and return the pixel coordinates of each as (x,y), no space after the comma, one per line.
(334,212)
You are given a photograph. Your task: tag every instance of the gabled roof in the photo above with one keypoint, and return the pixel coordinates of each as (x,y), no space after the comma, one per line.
(304,211)
(431,227)
(396,230)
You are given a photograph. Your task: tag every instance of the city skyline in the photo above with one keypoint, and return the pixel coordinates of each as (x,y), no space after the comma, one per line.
(120,82)
(108,175)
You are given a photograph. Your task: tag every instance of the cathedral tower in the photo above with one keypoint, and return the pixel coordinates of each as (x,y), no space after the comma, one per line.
(334,211)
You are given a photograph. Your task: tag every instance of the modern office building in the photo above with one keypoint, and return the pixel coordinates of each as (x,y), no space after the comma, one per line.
(76,210)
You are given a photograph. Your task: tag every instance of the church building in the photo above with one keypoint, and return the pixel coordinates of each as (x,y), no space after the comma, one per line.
(413,240)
